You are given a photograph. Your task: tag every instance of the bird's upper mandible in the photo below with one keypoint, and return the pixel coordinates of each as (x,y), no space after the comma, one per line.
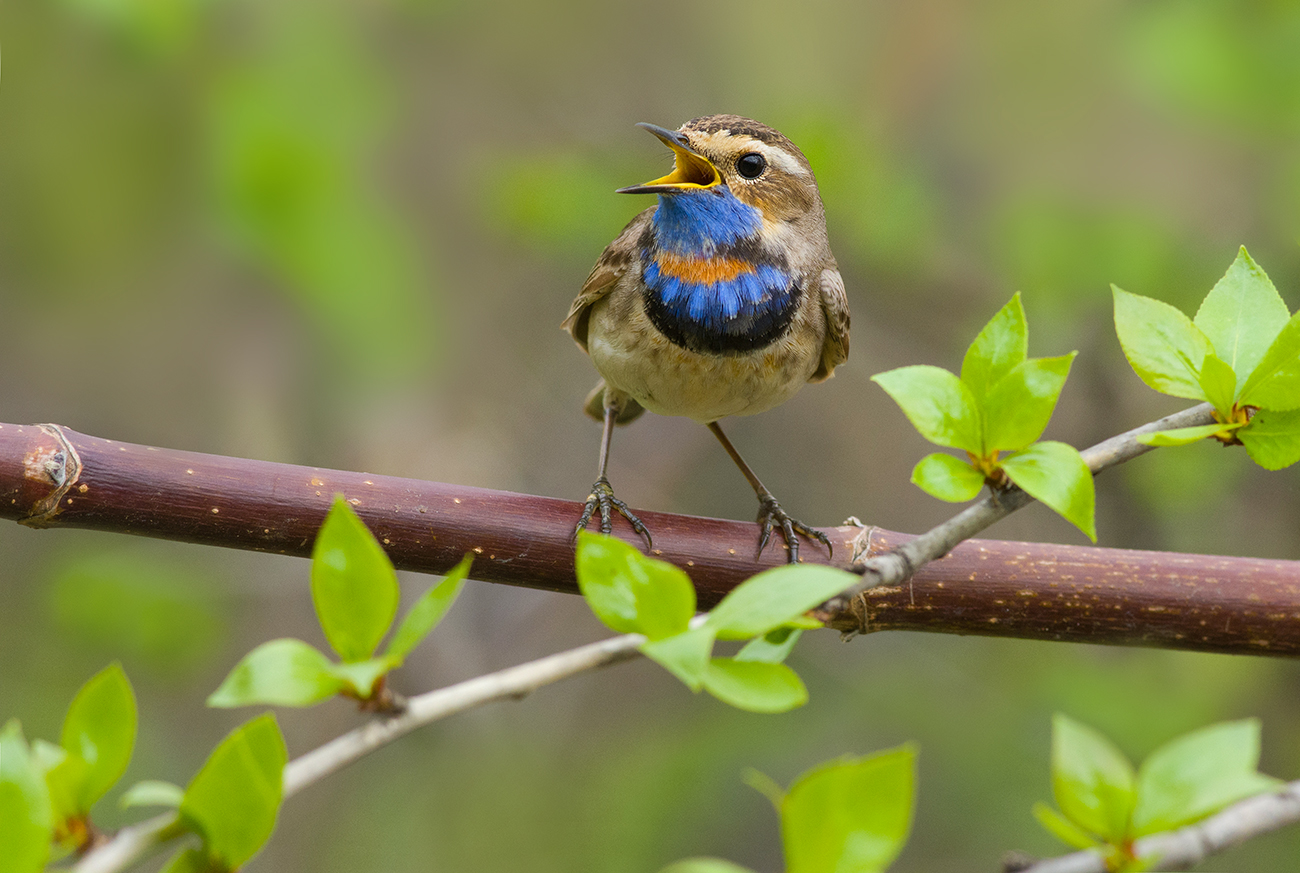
(760,166)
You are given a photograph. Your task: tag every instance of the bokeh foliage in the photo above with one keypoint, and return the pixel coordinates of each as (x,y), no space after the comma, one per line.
(340,232)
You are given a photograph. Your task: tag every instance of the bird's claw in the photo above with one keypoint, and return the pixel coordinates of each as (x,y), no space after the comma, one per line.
(602,499)
(770,514)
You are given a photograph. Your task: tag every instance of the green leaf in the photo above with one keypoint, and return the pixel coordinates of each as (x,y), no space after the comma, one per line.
(1092,781)
(631,593)
(685,655)
(66,779)
(233,800)
(1162,345)
(1062,828)
(1241,316)
(938,404)
(425,614)
(352,584)
(764,785)
(1019,406)
(1181,436)
(1198,774)
(1122,864)
(152,792)
(772,598)
(1056,474)
(360,677)
(190,861)
(100,730)
(284,672)
(1000,346)
(705,865)
(46,756)
(1219,383)
(1275,383)
(26,819)
(756,686)
(853,814)
(947,477)
(1272,438)
(772,647)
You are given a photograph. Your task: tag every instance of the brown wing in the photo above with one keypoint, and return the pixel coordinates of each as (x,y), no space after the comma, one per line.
(835,305)
(611,264)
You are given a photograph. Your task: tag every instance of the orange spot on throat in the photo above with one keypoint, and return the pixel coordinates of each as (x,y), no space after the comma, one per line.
(702,271)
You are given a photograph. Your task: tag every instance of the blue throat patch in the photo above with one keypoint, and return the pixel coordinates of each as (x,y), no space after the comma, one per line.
(710,285)
(697,222)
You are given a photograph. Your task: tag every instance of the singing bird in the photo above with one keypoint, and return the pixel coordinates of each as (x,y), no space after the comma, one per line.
(723,299)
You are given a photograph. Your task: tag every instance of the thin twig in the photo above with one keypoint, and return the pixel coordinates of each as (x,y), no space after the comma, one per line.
(431,706)
(135,841)
(900,564)
(1188,846)
(129,845)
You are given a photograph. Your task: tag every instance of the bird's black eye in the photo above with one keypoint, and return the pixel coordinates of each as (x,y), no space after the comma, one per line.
(751,166)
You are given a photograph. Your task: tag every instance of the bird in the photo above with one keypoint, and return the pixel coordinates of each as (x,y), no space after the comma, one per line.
(721,300)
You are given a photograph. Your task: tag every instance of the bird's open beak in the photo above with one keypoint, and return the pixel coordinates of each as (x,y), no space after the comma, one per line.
(690,168)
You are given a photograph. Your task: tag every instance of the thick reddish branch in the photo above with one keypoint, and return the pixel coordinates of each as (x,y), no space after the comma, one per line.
(54,477)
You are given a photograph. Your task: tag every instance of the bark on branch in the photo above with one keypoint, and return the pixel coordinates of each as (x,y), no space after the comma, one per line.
(51,476)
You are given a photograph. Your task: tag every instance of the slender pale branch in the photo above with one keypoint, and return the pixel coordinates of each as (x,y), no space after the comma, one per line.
(1186,847)
(134,842)
(129,845)
(512,682)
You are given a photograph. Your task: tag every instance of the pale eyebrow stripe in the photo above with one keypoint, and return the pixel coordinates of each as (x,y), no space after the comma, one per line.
(774,155)
(783,159)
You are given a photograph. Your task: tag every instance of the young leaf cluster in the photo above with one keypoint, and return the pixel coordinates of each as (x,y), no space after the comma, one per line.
(1103,803)
(995,411)
(1241,353)
(47,790)
(632,593)
(26,812)
(232,802)
(853,814)
(355,590)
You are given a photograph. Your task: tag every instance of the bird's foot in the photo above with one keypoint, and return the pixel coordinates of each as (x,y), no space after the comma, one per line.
(770,515)
(602,498)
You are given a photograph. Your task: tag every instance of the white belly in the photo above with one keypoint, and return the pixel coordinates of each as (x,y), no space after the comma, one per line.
(667,379)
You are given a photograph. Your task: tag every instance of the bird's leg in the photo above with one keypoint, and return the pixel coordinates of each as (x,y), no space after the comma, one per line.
(770,512)
(602,493)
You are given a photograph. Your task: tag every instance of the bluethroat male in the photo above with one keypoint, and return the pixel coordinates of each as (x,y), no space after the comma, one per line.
(724,299)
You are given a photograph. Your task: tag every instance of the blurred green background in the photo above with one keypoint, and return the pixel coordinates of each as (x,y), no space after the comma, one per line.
(344,232)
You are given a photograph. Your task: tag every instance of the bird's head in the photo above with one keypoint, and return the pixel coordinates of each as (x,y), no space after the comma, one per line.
(756,163)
